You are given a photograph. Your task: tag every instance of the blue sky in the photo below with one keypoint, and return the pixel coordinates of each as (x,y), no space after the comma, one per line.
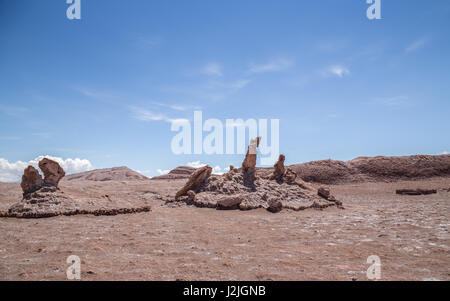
(102,88)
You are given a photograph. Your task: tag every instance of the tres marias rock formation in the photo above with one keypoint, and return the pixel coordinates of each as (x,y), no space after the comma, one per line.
(244,189)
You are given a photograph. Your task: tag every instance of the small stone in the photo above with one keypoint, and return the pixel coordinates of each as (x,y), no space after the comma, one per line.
(275,206)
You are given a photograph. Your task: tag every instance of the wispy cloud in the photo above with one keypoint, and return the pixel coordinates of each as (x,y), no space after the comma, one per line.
(175,107)
(336,70)
(417,44)
(143,114)
(212,69)
(271,66)
(392,101)
(14,111)
(146,42)
(147,115)
(210,90)
(43,135)
(9,138)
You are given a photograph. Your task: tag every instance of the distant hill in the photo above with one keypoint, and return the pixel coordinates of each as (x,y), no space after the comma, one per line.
(379,168)
(361,169)
(108,174)
(181,172)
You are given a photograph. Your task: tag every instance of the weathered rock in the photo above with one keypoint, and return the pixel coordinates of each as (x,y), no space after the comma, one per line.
(279,171)
(190,196)
(196,180)
(324,192)
(416,191)
(53,173)
(31,180)
(249,163)
(230,202)
(290,176)
(275,205)
(230,192)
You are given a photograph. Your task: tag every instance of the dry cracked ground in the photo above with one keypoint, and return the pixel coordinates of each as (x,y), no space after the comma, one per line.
(410,234)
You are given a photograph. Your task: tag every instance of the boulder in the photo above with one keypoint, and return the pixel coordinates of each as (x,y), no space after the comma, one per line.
(275,205)
(324,193)
(53,173)
(196,180)
(31,180)
(230,202)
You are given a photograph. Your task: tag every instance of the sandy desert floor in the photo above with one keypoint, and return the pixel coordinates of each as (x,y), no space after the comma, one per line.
(409,233)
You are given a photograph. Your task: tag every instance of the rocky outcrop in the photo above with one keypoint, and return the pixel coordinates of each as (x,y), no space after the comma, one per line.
(376,169)
(279,169)
(249,163)
(181,172)
(31,180)
(245,190)
(196,180)
(121,173)
(53,173)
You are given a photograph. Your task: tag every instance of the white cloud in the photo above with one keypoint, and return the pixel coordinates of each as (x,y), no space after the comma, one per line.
(336,70)
(212,69)
(217,170)
(195,164)
(416,45)
(445,153)
(272,66)
(13,171)
(163,172)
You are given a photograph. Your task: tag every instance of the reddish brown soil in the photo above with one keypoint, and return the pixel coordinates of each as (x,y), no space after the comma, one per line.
(409,233)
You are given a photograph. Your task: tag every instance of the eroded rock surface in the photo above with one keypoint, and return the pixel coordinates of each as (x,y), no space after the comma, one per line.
(53,173)
(243,189)
(196,180)
(249,163)
(31,180)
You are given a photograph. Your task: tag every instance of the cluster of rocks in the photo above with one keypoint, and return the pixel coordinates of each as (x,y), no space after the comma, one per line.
(244,189)
(43,198)
(41,195)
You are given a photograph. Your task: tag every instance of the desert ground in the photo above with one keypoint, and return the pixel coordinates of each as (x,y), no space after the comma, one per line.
(175,241)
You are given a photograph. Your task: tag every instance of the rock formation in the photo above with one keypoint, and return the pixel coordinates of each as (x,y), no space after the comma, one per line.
(196,180)
(243,189)
(53,173)
(279,171)
(249,163)
(43,198)
(31,180)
